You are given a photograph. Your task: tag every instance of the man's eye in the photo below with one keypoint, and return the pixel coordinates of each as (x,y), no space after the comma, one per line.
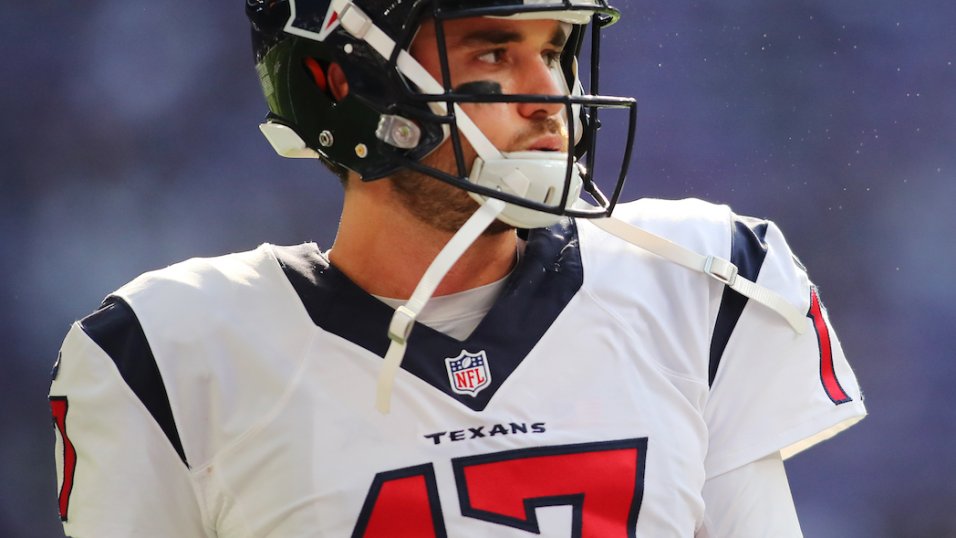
(552,57)
(492,56)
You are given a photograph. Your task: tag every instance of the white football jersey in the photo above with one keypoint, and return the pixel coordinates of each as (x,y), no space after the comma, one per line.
(234,396)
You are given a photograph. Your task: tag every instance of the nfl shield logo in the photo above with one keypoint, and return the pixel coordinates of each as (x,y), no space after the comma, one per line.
(468,372)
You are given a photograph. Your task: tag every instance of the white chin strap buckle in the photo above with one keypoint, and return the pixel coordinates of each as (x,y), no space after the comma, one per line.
(538,176)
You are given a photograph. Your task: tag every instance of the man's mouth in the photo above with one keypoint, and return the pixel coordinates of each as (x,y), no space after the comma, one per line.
(547,143)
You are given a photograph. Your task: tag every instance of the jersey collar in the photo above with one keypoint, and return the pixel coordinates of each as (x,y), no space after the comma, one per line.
(543,283)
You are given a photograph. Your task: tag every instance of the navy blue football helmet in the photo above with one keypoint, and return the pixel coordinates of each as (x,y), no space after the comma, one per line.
(396,113)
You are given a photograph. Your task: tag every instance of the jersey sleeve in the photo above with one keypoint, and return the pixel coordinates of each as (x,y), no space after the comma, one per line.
(119,472)
(772,389)
(751,500)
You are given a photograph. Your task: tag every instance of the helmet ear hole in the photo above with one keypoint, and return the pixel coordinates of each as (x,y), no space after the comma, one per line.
(337,83)
(318,74)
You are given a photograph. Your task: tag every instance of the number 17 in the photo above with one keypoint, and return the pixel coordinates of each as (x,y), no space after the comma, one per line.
(602,482)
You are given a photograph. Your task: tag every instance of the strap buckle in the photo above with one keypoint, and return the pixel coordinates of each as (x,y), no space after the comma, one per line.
(401,325)
(720,270)
(354,21)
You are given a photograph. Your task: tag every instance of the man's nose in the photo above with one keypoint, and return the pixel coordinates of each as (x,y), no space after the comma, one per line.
(538,78)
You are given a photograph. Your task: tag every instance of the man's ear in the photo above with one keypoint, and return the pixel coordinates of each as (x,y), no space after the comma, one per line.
(338,84)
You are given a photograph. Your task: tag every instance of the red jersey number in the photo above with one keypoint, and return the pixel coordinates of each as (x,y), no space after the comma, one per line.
(602,482)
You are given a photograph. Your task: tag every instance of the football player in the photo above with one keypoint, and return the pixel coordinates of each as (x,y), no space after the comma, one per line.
(485,350)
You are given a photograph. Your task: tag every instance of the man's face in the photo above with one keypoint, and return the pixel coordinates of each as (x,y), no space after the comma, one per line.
(516,56)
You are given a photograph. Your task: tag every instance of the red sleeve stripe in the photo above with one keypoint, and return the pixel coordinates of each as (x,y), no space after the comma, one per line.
(59,406)
(827,374)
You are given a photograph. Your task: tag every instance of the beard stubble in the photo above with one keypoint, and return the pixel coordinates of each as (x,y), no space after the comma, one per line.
(446,207)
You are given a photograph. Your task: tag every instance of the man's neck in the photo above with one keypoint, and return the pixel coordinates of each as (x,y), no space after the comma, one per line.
(385,249)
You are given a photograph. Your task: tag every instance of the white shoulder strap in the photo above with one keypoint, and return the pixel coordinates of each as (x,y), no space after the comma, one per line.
(403,320)
(717,268)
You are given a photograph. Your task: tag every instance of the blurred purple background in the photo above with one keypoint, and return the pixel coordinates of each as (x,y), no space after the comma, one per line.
(129,142)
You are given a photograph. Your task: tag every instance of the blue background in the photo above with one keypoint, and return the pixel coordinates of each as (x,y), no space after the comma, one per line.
(129,142)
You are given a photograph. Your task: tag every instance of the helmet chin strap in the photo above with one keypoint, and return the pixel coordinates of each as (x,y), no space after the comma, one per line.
(403,320)
(491,209)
